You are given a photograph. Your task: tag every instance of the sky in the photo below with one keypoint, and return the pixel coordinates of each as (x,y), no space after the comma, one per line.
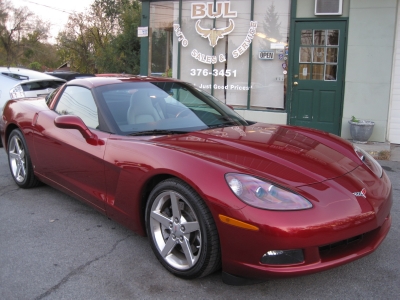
(55,12)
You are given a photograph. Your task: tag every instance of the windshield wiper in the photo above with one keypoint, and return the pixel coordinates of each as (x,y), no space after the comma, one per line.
(226,122)
(157,132)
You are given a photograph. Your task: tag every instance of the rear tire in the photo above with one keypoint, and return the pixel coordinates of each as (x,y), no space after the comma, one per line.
(19,161)
(182,231)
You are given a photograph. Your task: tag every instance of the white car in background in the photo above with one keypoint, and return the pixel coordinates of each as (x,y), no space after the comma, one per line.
(19,83)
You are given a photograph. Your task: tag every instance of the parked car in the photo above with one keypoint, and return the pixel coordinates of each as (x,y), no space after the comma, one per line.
(207,187)
(20,82)
(114,75)
(69,75)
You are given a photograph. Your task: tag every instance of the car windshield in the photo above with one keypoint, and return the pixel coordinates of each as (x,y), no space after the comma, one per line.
(164,107)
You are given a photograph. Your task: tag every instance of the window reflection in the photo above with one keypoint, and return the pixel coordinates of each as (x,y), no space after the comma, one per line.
(332,55)
(319,55)
(319,37)
(331,72)
(319,61)
(318,72)
(78,101)
(306,37)
(161,38)
(305,54)
(333,37)
(268,86)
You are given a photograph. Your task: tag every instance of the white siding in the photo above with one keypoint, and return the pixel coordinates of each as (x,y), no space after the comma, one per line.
(394,112)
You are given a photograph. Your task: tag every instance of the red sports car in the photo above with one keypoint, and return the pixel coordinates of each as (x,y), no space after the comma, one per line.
(207,187)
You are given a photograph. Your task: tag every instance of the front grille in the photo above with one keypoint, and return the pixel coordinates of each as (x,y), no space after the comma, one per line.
(341,244)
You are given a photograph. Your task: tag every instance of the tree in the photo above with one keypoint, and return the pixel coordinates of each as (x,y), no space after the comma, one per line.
(21,33)
(124,52)
(75,43)
(35,66)
(272,26)
(103,39)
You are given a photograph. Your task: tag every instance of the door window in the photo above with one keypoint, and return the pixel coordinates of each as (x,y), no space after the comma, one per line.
(79,101)
(318,55)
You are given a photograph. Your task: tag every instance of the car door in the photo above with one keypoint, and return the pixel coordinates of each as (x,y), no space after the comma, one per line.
(64,156)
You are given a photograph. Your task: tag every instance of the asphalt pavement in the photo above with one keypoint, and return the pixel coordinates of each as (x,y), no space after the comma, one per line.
(54,247)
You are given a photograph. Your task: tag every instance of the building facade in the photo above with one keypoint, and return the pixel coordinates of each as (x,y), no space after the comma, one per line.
(313,63)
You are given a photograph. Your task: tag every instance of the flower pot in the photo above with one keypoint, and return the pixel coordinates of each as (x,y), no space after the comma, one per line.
(361,131)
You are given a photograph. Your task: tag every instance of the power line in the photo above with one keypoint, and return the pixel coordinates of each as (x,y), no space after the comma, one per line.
(51,7)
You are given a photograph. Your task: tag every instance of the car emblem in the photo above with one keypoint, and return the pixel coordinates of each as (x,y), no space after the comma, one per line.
(362,193)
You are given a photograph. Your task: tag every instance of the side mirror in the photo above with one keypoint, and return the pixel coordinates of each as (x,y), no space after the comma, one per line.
(74,122)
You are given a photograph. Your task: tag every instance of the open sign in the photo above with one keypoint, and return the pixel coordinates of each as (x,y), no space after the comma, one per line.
(266,55)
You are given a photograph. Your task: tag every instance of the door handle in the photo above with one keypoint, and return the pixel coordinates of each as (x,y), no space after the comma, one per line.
(295,83)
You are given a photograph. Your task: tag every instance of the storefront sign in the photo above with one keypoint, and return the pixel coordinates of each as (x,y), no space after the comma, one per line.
(247,41)
(279,46)
(219,9)
(180,35)
(266,55)
(143,31)
(215,72)
(214,35)
(233,87)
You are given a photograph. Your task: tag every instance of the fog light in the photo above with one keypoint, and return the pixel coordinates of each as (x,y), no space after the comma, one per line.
(283,257)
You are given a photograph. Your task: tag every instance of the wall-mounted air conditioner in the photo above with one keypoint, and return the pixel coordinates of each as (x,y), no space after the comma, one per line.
(328,7)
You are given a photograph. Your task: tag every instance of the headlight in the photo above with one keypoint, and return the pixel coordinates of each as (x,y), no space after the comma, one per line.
(265,195)
(17,92)
(369,161)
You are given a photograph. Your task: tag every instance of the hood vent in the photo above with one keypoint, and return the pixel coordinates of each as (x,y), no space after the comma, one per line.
(328,7)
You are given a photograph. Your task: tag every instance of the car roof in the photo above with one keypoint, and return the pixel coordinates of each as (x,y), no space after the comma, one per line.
(114,75)
(24,74)
(69,75)
(91,82)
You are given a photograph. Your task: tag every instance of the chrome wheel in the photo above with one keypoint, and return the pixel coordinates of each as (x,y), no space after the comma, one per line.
(175,230)
(20,161)
(181,230)
(17,160)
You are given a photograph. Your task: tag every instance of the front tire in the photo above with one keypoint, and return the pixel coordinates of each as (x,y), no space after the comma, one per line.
(19,161)
(181,230)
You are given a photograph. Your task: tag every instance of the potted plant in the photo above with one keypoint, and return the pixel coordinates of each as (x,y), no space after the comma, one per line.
(360,130)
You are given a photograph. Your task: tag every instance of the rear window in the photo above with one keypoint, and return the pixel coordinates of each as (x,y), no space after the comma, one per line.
(41,85)
(16,76)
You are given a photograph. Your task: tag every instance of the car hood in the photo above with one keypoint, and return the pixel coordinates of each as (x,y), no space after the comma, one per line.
(284,154)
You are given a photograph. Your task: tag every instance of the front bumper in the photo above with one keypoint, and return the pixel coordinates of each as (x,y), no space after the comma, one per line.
(337,230)
(316,259)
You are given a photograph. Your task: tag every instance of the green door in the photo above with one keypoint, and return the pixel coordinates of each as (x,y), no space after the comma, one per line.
(317,75)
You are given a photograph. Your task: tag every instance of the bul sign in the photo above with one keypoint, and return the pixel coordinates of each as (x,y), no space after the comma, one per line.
(219,9)
(202,10)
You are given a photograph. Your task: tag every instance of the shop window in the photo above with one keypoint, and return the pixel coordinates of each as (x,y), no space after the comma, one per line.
(162,17)
(241,59)
(196,57)
(269,75)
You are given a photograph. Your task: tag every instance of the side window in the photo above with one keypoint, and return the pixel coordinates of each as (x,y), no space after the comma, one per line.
(50,97)
(78,101)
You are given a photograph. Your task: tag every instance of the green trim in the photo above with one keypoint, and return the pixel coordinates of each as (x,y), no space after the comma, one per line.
(212,65)
(178,73)
(288,100)
(250,59)
(281,111)
(144,41)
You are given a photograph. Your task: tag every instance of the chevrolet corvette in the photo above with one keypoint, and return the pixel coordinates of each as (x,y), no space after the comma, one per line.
(210,189)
